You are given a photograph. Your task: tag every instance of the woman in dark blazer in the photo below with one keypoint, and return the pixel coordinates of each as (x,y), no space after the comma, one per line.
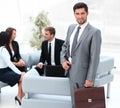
(13,49)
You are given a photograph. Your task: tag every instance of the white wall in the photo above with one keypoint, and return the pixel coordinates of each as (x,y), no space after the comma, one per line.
(104,14)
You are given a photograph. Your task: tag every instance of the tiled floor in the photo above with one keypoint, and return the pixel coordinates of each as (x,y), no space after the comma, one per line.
(8,93)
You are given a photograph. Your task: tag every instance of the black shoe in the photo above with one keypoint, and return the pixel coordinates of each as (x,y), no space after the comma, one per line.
(17,100)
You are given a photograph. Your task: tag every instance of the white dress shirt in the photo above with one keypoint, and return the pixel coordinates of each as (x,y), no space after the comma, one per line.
(52,51)
(5,60)
(82,27)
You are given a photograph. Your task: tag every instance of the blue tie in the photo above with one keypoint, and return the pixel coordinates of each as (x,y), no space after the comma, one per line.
(75,41)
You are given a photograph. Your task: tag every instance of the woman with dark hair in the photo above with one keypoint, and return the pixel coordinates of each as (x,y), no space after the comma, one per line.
(13,49)
(9,73)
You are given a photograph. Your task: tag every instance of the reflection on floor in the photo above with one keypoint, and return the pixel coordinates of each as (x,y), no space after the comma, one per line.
(8,93)
(7,97)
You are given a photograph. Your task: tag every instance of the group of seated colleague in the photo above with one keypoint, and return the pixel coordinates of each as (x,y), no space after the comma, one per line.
(13,68)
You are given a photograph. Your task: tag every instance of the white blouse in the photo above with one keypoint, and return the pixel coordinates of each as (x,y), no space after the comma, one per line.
(5,60)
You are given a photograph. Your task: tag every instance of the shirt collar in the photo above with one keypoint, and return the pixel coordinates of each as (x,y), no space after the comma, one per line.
(83,25)
(52,41)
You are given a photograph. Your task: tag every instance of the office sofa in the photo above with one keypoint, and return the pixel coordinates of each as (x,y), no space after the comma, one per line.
(54,92)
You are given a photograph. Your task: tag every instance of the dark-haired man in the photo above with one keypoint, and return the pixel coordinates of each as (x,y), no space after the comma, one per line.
(81,50)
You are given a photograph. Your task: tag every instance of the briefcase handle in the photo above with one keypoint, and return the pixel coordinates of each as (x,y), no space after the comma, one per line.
(77,86)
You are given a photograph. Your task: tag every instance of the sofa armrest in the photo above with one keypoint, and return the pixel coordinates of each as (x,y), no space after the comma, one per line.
(104,75)
(45,85)
(105,66)
(31,58)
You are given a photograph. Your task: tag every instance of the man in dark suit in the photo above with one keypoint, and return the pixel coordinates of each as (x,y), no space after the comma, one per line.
(51,57)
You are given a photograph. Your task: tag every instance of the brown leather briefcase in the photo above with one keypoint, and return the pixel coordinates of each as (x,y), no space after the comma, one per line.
(93,97)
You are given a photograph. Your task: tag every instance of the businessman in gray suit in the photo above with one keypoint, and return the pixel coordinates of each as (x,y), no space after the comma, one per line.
(81,61)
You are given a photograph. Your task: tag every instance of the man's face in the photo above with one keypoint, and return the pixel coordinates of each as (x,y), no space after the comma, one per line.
(48,36)
(80,15)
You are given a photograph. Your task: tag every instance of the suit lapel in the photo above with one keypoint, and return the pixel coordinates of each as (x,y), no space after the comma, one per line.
(56,51)
(71,31)
(46,47)
(55,56)
(83,35)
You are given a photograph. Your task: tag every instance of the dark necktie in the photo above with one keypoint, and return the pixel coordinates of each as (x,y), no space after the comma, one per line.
(49,54)
(75,41)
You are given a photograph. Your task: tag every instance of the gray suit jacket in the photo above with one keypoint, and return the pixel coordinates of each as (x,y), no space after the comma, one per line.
(86,55)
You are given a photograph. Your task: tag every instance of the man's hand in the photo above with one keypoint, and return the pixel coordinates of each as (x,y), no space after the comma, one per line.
(21,63)
(88,83)
(39,65)
(66,65)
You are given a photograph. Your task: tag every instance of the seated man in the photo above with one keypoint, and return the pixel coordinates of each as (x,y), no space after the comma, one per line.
(50,50)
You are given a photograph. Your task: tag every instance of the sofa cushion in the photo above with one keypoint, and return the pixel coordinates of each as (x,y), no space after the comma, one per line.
(46,101)
(43,84)
(50,97)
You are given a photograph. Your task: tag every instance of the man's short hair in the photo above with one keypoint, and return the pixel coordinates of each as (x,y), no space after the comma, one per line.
(51,30)
(80,5)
